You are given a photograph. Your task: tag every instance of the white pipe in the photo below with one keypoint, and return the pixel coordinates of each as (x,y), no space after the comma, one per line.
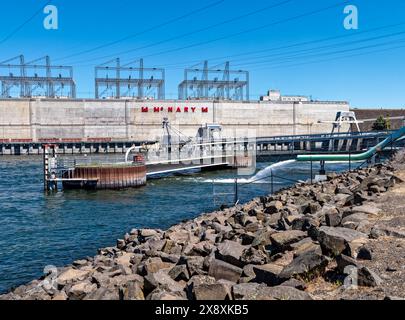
(129,151)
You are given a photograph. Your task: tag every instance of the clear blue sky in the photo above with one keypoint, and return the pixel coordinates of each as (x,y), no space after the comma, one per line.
(365,68)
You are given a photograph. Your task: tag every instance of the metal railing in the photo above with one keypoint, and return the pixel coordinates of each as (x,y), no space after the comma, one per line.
(238,187)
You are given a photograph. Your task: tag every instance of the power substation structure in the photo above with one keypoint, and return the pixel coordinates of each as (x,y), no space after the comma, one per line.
(215,83)
(131,80)
(37,78)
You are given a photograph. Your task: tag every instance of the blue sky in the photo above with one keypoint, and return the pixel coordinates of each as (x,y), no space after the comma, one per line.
(362,66)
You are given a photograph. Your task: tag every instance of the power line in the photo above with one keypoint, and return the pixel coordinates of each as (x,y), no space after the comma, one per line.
(327,46)
(238,33)
(143,32)
(250,30)
(277,66)
(16,30)
(295,54)
(192,32)
(298,44)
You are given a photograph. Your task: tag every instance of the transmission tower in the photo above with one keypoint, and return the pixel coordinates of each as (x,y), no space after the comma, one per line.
(37,78)
(216,83)
(131,80)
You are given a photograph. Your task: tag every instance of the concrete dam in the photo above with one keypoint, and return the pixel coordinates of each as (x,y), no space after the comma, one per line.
(47,120)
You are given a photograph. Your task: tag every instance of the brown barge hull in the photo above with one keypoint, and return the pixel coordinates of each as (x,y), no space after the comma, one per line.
(108,177)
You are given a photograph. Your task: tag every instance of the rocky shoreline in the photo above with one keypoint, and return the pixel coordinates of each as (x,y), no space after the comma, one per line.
(306,242)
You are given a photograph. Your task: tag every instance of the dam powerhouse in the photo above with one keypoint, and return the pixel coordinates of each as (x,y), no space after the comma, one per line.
(47,120)
(38,104)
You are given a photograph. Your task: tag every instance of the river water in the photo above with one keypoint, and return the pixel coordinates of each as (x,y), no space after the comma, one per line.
(37,230)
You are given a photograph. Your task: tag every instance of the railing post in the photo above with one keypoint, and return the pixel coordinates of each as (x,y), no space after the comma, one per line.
(323,170)
(350,160)
(236,191)
(272,182)
(312,171)
(46,167)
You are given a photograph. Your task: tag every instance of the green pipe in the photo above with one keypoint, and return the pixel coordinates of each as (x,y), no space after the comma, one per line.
(355,157)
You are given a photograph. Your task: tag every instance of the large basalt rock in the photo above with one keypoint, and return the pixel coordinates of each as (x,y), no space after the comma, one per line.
(368,278)
(222,270)
(125,259)
(161,279)
(147,233)
(342,199)
(367,209)
(195,265)
(203,248)
(153,265)
(179,272)
(272,220)
(306,248)
(304,223)
(354,218)
(333,219)
(71,275)
(181,236)
(344,261)
(262,237)
(103,294)
(216,291)
(253,256)
(132,291)
(219,228)
(323,198)
(268,274)
(60,296)
(306,266)
(248,273)
(231,252)
(172,247)
(157,244)
(354,247)
(123,279)
(101,279)
(278,293)
(244,289)
(382,231)
(297,245)
(282,241)
(273,207)
(200,279)
(170,258)
(295,283)
(335,240)
(162,295)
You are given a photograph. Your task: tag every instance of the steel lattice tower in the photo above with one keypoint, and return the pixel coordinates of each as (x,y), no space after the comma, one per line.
(216,83)
(129,81)
(35,79)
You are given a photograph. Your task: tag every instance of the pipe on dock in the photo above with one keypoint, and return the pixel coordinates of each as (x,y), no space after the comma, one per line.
(397,135)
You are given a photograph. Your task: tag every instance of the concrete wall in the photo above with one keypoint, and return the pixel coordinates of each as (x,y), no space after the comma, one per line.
(15,119)
(128,120)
